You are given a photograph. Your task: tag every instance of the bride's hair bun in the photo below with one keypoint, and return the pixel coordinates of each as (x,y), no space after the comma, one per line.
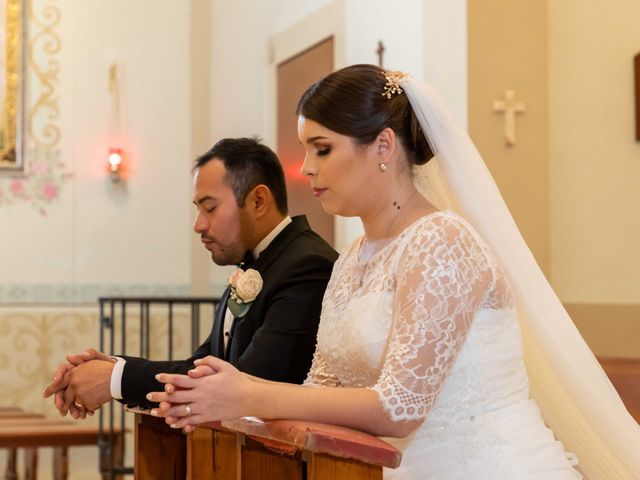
(351,101)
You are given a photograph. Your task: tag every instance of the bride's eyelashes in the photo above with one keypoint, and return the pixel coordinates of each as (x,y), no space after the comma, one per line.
(324,151)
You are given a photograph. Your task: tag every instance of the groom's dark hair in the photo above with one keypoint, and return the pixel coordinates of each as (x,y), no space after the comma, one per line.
(249,163)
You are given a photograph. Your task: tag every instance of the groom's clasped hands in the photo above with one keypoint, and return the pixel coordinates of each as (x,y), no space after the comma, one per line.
(213,390)
(82,385)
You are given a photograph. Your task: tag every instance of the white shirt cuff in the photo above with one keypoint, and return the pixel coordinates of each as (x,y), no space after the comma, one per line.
(116,378)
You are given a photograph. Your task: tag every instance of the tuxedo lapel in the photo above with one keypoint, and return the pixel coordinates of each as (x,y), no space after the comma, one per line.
(297,226)
(217,334)
(276,248)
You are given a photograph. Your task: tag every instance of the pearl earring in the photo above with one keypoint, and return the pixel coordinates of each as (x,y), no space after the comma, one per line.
(382,166)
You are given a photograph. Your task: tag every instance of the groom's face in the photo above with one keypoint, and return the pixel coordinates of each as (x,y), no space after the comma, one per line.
(223,226)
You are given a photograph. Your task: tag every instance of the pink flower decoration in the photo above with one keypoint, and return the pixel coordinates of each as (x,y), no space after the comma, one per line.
(40,168)
(17,187)
(49,191)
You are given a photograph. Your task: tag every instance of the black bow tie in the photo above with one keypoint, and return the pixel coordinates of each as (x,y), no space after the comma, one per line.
(248,260)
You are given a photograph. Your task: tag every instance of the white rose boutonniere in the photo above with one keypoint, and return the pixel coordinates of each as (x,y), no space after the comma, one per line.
(245,287)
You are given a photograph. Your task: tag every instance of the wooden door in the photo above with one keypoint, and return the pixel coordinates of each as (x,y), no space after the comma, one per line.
(294,76)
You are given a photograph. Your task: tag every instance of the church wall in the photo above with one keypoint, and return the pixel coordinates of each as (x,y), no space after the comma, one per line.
(88,236)
(191,73)
(94,236)
(507,50)
(446,51)
(200,91)
(595,159)
(399,27)
(241,102)
(595,169)
(413,35)
(571,180)
(414,40)
(240,62)
(401,30)
(529,46)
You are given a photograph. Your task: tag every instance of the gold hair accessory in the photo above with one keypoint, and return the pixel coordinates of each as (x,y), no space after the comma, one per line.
(392,87)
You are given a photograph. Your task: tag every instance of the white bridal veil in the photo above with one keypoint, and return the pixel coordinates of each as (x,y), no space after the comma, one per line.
(576,398)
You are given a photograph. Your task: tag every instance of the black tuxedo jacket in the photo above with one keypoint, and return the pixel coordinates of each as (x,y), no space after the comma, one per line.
(277,336)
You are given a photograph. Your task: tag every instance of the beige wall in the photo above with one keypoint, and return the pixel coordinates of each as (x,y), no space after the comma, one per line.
(595,170)
(572,180)
(594,157)
(508,50)
(95,237)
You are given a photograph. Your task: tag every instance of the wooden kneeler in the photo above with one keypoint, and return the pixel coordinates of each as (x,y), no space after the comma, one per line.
(31,431)
(15,413)
(249,448)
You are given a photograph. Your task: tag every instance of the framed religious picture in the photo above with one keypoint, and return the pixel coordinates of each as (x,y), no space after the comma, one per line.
(12,84)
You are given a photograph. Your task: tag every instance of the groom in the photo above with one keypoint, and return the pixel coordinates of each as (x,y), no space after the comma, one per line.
(239,191)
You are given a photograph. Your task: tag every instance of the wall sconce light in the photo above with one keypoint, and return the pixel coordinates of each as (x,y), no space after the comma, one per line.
(115,164)
(115,160)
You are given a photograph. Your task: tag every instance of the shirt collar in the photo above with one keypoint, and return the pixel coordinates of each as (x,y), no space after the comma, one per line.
(266,241)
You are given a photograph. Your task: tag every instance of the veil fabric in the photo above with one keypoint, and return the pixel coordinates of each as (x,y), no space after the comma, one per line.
(574,394)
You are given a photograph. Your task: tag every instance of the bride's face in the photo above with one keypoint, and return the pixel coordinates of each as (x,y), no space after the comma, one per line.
(342,174)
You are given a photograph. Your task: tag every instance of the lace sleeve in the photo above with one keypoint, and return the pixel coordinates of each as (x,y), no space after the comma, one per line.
(320,373)
(442,277)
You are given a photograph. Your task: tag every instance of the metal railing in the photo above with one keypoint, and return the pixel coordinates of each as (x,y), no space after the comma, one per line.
(124,318)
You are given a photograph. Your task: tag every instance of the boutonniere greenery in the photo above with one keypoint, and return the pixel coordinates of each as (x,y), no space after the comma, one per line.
(245,287)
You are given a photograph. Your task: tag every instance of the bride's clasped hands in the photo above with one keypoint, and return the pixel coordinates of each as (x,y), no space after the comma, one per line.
(213,390)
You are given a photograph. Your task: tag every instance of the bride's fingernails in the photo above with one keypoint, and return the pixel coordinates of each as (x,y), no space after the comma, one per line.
(174,425)
(149,396)
(154,412)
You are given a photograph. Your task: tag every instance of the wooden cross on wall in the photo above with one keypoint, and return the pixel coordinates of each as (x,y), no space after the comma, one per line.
(509,106)
(380,52)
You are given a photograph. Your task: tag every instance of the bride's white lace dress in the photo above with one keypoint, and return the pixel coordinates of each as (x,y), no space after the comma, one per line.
(428,322)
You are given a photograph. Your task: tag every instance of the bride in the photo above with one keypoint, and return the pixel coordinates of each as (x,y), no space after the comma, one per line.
(420,322)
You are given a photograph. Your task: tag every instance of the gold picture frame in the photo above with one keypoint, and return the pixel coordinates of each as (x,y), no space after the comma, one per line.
(13,40)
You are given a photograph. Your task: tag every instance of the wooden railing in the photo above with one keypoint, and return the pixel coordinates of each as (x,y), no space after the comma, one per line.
(249,448)
(117,315)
